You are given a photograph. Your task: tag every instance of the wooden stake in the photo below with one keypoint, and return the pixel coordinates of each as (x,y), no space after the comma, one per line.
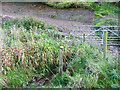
(53,34)
(105,44)
(61,60)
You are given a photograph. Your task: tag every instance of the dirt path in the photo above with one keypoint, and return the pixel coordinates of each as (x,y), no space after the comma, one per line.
(61,18)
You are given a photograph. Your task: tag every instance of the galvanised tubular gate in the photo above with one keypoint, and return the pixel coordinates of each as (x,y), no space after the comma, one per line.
(104,30)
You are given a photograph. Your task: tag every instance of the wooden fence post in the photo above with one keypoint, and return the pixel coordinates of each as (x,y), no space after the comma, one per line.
(61,60)
(53,34)
(105,44)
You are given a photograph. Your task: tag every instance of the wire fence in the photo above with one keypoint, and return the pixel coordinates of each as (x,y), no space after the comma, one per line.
(113,36)
(103,35)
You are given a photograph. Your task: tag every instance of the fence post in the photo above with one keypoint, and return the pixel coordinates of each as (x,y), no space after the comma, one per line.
(105,44)
(83,37)
(61,60)
(53,34)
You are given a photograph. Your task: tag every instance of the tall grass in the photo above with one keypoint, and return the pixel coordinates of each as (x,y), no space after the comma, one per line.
(88,69)
(29,48)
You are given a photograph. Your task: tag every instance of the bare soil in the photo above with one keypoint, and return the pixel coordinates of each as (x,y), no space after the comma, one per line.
(61,18)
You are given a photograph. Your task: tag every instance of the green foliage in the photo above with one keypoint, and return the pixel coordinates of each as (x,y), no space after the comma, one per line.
(28,44)
(62,80)
(52,16)
(59,5)
(27,23)
(69,4)
(15,78)
(88,70)
(105,14)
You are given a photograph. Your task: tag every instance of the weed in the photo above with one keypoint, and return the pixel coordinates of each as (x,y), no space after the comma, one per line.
(52,16)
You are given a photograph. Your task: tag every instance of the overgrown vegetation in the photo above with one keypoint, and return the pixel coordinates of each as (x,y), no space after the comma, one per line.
(28,47)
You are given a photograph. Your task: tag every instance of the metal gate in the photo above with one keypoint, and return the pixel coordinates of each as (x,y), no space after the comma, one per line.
(103,35)
(91,32)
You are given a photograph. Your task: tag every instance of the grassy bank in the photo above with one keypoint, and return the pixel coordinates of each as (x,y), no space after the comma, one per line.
(28,48)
